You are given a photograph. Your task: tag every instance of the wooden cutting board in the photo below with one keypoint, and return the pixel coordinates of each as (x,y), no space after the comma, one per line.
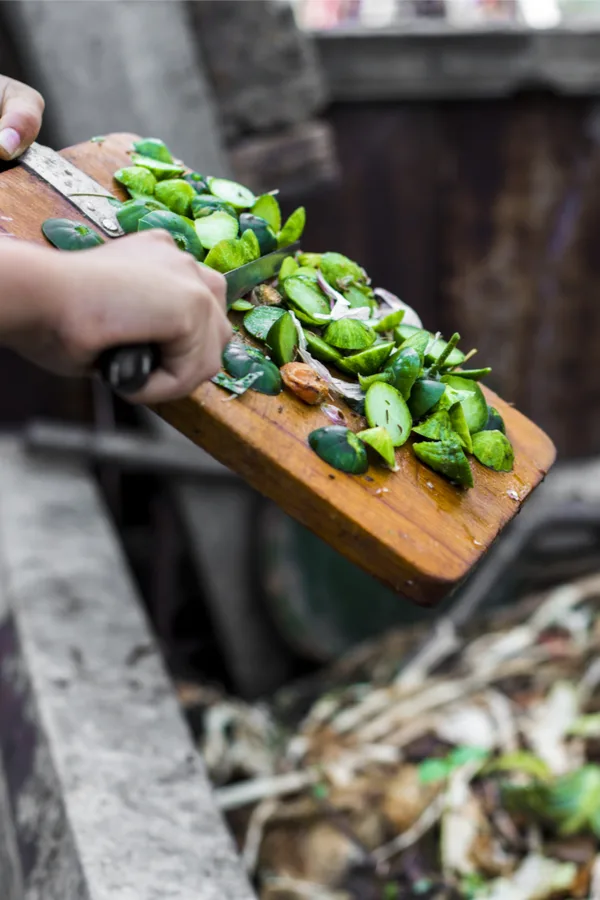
(411,529)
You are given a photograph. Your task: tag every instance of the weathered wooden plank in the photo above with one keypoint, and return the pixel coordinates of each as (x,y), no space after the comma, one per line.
(108,797)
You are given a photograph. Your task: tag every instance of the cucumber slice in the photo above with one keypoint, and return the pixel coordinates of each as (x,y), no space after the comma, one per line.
(349,334)
(159,169)
(320,349)
(239,361)
(447,458)
(369,361)
(423,396)
(265,235)
(341,448)
(282,339)
(404,368)
(267,207)
(359,296)
(176,194)
(379,439)
(389,322)
(260,320)
(385,407)
(231,192)
(494,450)
(306,299)
(474,406)
(226,255)
(219,226)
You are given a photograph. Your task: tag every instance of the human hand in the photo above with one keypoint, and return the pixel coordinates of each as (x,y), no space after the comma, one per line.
(135,290)
(21,110)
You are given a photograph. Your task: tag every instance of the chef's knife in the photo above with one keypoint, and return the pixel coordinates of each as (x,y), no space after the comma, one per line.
(126,369)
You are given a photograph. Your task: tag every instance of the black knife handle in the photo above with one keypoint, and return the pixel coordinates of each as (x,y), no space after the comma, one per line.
(127,369)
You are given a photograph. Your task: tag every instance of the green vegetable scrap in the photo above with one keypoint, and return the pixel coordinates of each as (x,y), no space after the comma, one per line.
(322,311)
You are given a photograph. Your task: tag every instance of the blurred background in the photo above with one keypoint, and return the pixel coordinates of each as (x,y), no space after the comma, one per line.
(449,146)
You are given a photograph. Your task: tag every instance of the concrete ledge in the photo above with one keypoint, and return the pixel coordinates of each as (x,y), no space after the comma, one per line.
(102,796)
(431,61)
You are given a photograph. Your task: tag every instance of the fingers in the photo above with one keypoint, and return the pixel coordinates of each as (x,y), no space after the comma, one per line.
(216,284)
(21,110)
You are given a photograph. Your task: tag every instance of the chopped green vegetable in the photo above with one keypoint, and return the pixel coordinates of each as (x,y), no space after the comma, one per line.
(339,447)
(320,349)
(219,226)
(369,361)
(267,208)
(424,395)
(282,339)
(349,334)
(293,228)
(306,299)
(239,361)
(495,422)
(267,240)
(385,406)
(404,368)
(366,381)
(153,148)
(180,229)
(389,322)
(494,450)
(475,374)
(206,204)
(159,169)
(437,427)
(232,192)
(288,267)
(379,439)
(197,181)
(259,321)
(237,386)
(65,234)
(176,194)
(459,424)
(340,271)
(446,457)
(136,178)
(130,214)
(242,306)
(418,341)
(474,406)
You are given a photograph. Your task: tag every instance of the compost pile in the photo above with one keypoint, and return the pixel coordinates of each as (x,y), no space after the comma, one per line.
(473,771)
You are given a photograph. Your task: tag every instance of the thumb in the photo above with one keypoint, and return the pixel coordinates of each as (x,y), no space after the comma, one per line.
(21,110)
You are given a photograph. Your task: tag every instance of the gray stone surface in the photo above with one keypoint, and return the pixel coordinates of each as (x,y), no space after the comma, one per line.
(125,66)
(263,70)
(108,798)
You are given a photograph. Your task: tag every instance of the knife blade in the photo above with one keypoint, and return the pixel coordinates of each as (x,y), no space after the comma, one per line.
(127,369)
(79,189)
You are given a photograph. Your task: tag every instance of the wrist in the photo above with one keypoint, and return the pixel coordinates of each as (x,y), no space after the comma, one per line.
(32,293)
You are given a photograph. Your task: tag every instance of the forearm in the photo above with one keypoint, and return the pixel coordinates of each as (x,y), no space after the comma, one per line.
(29,288)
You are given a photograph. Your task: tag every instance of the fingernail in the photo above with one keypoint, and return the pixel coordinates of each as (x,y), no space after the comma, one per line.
(10,141)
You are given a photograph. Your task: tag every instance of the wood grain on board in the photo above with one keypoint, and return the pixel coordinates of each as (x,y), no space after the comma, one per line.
(411,529)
